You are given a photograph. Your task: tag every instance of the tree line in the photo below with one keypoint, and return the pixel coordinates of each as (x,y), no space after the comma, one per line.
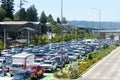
(30,14)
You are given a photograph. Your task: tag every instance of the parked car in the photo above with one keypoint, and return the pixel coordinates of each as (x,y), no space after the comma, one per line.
(35,69)
(49,65)
(60,61)
(5,51)
(38,61)
(2,73)
(6,78)
(2,61)
(14,68)
(72,56)
(21,75)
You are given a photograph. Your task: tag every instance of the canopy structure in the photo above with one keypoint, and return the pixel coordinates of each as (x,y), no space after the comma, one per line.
(13,27)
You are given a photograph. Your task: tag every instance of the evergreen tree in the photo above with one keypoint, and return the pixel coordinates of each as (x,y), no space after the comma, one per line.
(8,5)
(20,15)
(43,20)
(2,14)
(58,20)
(50,19)
(64,20)
(32,13)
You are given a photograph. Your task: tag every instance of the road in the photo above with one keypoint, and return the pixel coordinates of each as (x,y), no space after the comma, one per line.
(106,69)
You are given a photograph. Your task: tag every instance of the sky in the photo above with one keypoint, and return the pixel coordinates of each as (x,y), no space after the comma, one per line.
(81,10)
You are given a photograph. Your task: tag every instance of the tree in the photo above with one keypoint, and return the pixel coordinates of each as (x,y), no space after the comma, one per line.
(17,15)
(7,19)
(20,15)
(1,45)
(50,18)
(9,8)
(58,20)
(64,20)
(56,29)
(43,20)
(32,14)
(2,14)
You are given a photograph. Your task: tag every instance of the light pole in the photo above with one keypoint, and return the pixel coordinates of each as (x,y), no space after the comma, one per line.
(61,25)
(4,38)
(49,34)
(75,33)
(99,21)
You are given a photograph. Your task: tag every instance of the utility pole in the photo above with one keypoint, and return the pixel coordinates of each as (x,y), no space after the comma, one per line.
(99,21)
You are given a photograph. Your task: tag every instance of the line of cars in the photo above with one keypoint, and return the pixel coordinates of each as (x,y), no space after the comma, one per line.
(47,57)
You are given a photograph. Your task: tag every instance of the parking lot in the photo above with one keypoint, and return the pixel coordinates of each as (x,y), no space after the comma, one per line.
(42,61)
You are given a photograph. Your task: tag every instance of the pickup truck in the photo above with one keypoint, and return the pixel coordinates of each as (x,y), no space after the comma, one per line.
(49,65)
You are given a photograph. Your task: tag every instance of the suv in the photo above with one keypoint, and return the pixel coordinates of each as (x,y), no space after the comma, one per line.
(35,69)
(49,65)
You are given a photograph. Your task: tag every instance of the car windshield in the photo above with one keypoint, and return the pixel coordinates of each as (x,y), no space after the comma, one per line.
(20,73)
(16,65)
(47,63)
(70,54)
(76,51)
(37,61)
(1,72)
(30,68)
(57,59)
(1,61)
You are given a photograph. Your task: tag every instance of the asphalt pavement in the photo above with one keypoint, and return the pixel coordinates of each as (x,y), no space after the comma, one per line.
(106,69)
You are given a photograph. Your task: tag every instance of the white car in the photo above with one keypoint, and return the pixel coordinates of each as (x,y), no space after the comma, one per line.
(5,51)
(49,65)
(2,61)
(38,61)
(6,78)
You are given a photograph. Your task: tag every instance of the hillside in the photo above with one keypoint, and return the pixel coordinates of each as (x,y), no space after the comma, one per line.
(103,25)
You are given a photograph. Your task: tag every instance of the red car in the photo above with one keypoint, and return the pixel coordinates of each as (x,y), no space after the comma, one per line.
(35,69)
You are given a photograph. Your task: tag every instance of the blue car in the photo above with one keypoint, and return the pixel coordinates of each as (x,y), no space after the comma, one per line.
(22,75)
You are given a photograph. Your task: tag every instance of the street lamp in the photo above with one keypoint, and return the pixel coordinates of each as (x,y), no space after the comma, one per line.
(4,38)
(99,21)
(49,32)
(61,25)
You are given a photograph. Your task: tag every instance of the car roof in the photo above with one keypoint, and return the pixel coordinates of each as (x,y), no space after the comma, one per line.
(33,65)
(6,78)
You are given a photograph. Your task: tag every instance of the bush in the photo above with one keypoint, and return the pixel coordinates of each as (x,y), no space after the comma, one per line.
(62,75)
(117,44)
(105,46)
(73,75)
